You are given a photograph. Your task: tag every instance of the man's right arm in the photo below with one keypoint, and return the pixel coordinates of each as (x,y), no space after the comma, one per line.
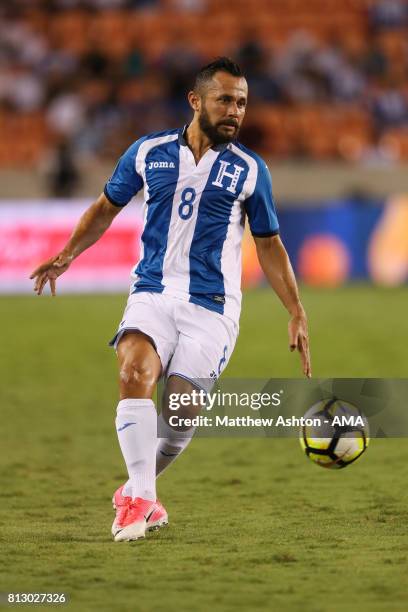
(90,227)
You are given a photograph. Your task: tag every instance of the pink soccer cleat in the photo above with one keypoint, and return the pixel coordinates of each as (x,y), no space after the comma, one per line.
(134,518)
(120,504)
(158,518)
(133,522)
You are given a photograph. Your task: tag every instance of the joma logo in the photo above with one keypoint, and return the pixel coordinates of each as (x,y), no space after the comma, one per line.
(162,164)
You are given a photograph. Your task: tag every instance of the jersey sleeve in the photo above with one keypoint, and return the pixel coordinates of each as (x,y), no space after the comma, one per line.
(260,206)
(125,182)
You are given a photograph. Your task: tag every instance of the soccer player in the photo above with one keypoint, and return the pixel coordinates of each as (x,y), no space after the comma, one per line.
(181,318)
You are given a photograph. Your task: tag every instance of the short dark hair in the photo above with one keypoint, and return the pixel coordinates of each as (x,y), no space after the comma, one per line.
(221,64)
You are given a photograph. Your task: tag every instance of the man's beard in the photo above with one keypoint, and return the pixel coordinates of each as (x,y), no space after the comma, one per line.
(212,131)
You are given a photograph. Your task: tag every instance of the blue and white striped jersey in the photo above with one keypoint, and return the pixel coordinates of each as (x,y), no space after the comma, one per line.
(194,216)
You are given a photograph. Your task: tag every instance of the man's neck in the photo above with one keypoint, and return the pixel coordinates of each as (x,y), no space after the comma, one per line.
(197,141)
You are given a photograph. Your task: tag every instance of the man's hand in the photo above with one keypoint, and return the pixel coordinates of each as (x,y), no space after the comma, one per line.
(91,226)
(49,272)
(275,263)
(299,339)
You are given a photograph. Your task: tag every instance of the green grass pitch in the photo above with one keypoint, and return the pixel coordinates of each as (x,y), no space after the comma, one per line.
(253,524)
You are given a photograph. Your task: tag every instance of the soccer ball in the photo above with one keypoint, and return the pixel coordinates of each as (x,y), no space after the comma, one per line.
(334,433)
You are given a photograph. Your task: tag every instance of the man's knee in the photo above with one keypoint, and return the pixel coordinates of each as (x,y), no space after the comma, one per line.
(139,366)
(133,372)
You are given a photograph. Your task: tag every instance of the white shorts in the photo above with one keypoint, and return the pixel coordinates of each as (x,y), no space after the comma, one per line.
(191,341)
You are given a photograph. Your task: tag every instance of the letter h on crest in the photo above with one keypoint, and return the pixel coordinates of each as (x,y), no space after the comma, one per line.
(222,172)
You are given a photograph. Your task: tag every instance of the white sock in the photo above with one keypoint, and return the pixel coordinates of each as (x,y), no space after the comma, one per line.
(136,425)
(170,444)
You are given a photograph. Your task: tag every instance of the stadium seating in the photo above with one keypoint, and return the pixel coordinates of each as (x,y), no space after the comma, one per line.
(319,130)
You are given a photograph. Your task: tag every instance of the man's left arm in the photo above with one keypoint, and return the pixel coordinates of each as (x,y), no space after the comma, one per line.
(277,268)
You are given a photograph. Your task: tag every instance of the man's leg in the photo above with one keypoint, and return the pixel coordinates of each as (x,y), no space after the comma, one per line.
(136,425)
(172,442)
(136,421)
(205,343)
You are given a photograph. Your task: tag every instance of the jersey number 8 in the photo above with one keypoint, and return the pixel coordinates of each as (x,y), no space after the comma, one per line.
(187,200)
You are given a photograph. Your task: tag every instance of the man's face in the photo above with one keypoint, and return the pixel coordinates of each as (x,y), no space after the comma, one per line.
(221,107)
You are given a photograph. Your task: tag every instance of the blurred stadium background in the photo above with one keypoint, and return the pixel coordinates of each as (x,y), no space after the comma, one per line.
(82,79)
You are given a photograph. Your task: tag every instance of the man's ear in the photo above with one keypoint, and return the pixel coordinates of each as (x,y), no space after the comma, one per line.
(194,100)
